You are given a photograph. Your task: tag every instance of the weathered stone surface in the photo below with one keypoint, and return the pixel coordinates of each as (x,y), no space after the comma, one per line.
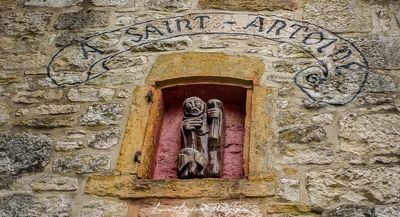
(380,82)
(31,60)
(129,75)
(286,118)
(290,189)
(217,209)
(8,4)
(109,3)
(349,211)
(20,204)
(82,19)
(105,114)
(354,185)
(292,208)
(52,3)
(338,15)
(82,164)
(48,110)
(119,62)
(56,205)
(314,154)
(5,112)
(303,134)
(19,23)
(69,146)
(324,118)
(169,5)
(54,183)
(103,208)
(256,5)
(214,43)
(90,94)
(375,99)
(75,134)
(128,187)
(311,104)
(104,139)
(382,52)
(374,135)
(387,211)
(72,61)
(206,64)
(24,152)
(180,43)
(29,205)
(29,97)
(46,122)
(290,51)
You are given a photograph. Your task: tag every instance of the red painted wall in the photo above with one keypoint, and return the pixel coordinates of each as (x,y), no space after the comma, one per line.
(170,142)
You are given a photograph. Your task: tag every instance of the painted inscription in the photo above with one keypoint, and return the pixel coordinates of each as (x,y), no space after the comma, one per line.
(336,77)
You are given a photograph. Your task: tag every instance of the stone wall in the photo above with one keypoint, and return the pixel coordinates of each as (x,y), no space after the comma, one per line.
(334,148)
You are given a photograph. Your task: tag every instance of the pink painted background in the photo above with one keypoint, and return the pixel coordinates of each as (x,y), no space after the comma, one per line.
(170,142)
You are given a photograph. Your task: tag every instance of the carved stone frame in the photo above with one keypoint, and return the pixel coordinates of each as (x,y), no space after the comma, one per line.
(144,120)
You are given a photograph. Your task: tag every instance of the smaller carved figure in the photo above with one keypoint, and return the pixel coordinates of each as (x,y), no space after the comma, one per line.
(202,132)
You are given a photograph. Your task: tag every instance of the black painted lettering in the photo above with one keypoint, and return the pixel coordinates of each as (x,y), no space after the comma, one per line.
(257,23)
(152,29)
(168,26)
(180,21)
(341,54)
(299,27)
(201,20)
(331,41)
(84,45)
(310,39)
(279,28)
(131,31)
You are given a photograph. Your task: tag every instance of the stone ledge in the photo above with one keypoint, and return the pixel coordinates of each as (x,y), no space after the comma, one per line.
(127,187)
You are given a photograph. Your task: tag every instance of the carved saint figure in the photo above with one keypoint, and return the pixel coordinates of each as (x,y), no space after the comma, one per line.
(202,132)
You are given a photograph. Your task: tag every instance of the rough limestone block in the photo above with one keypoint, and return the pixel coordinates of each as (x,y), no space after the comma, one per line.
(168,5)
(371,134)
(109,3)
(290,189)
(105,114)
(382,52)
(354,185)
(24,152)
(308,154)
(82,164)
(20,23)
(104,139)
(4,113)
(52,3)
(8,4)
(31,60)
(95,208)
(303,134)
(82,19)
(90,94)
(249,5)
(339,15)
(26,204)
(53,182)
(48,110)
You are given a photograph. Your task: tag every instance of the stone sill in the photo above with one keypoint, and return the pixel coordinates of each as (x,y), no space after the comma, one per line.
(127,187)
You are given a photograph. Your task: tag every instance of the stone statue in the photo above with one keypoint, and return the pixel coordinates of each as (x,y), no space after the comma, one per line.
(202,131)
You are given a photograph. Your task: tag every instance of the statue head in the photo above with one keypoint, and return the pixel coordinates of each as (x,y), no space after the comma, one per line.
(193,107)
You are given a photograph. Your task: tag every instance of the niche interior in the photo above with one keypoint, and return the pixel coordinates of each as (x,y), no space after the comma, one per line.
(169,141)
